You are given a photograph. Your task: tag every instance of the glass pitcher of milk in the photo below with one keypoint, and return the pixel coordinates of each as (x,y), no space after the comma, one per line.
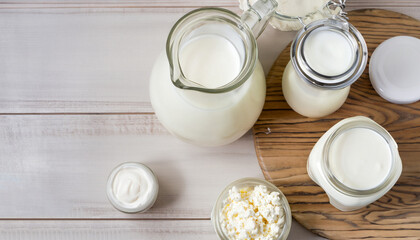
(208,88)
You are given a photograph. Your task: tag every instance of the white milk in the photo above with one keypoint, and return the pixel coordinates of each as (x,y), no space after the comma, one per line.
(328,53)
(204,118)
(360,159)
(308,100)
(210,61)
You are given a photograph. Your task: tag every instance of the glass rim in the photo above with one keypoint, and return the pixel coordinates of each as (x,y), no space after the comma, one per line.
(252,182)
(356,41)
(337,184)
(177,33)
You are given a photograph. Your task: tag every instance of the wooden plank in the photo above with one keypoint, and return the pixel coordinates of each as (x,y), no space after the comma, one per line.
(104,230)
(100,60)
(412,10)
(190,3)
(56,166)
(125,3)
(79,60)
(409,7)
(120,229)
(90,60)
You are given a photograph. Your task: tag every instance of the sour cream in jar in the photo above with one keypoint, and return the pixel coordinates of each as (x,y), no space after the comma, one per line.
(132,187)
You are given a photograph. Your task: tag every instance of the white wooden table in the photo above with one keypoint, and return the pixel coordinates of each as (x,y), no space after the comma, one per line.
(74,103)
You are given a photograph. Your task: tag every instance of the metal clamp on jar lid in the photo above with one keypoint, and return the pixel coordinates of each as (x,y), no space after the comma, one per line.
(338,74)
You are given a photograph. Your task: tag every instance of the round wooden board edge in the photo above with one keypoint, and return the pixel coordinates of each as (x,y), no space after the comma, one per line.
(287,48)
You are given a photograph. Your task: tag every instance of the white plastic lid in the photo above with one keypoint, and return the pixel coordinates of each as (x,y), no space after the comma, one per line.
(394,69)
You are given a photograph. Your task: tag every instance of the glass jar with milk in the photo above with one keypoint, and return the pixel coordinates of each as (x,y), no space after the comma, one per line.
(208,88)
(327,56)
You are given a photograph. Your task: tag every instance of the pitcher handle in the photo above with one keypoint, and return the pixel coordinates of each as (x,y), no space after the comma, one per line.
(257,15)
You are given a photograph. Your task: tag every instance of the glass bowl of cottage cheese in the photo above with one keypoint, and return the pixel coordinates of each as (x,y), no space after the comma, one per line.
(251,208)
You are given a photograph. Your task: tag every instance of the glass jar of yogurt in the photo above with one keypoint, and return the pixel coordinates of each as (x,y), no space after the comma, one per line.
(356,162)
(327,56)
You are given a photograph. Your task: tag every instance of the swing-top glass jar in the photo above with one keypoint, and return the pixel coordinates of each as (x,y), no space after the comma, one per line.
(327,56)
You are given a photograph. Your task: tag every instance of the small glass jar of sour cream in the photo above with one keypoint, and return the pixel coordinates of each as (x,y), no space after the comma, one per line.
(132,187)
(327,56)
(356,162)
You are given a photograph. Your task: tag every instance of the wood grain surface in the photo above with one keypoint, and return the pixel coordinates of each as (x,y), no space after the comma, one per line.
(100,60)
(284,139)
(56,166)
(106,229)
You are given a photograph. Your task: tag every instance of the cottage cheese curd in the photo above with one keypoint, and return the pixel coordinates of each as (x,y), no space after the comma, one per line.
(252,213)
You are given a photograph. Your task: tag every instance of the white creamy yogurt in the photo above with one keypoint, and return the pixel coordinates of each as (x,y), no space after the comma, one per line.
(132,187)
(362,157)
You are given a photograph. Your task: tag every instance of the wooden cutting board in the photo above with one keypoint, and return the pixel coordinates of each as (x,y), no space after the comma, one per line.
(284,139)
